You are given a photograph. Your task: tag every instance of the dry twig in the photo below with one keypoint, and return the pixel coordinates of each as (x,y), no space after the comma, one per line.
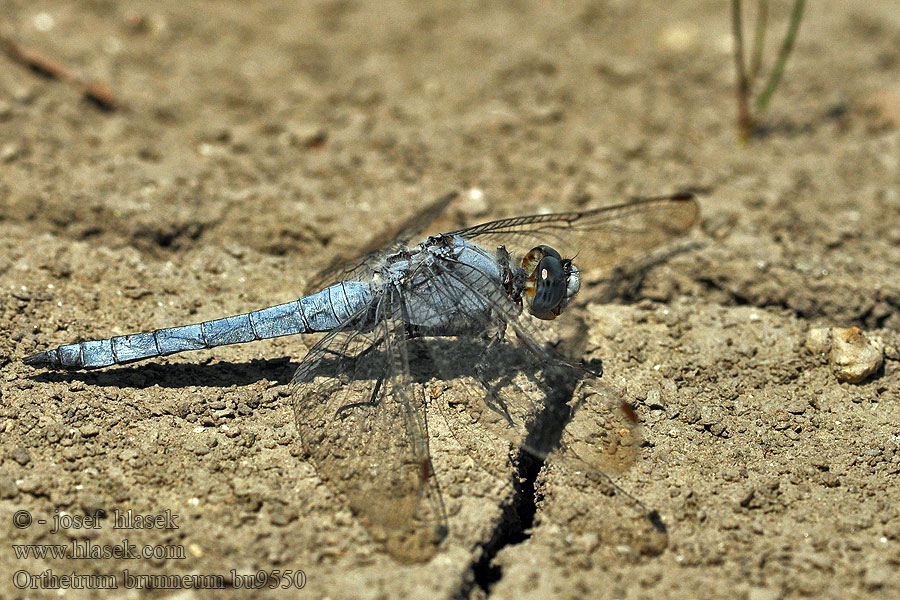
(98,93)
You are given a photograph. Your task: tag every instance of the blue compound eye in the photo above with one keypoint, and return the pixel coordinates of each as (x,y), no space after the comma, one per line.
(550,289)
(551,284)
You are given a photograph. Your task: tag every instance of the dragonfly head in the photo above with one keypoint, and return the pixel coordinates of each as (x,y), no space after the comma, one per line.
(551,284)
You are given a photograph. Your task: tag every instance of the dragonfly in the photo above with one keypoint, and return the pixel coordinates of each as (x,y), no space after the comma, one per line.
(470,306)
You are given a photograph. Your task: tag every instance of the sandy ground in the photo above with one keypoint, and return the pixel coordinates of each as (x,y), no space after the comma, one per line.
(260,140)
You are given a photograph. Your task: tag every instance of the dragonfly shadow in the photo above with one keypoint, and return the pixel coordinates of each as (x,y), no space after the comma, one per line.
(422,366)
(227,374)
(178,375)
(623,286)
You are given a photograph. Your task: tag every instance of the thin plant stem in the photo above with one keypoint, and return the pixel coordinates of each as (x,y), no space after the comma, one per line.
(787,45)
(759,39)
(744,121)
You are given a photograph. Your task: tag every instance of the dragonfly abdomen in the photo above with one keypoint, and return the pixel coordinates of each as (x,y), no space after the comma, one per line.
(321,311)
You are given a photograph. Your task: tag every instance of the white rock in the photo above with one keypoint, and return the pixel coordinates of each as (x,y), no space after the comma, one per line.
(854,355)
(818,340)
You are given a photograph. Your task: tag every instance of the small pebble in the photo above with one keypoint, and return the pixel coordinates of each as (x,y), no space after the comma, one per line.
(89,430)
(279,517)
(878,576)
(796,405)
(9,152)
(691,414)
(819,560)
(199,449)
(24,95)
(33,486)
(43,22)
(8,488)
(474,203)
(818,340)
(21,456)
(307,135)
(855,356)
(128,454)
(654,400)
(761,593)
(680,37)
(225,413)
(53,434)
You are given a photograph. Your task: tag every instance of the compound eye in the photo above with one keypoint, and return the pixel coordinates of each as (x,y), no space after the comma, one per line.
(550,286)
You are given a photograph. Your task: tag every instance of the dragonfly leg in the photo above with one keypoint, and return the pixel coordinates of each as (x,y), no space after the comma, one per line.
(337,354)
(482,364)
(372,401)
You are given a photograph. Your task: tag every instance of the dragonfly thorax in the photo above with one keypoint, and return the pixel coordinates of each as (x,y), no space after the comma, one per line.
(551,283)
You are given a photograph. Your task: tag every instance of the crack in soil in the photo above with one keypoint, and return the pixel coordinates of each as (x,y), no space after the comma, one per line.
(518,514)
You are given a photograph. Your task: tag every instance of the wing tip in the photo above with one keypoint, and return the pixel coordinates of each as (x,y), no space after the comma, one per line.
(688,196)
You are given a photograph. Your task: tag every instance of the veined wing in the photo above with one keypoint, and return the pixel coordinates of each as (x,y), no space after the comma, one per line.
(359,266)
(503,379)
(363,425)
(600,237)
(513,381)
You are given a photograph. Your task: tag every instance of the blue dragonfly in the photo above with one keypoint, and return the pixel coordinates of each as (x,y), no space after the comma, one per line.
(475,310)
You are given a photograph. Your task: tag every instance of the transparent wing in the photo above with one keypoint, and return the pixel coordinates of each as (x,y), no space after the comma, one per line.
(360,266)
(363,425)
(502,380)
(599,238)
(584,501)
(505,373)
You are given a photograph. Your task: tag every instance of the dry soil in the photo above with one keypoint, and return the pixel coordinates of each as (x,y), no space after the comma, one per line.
(254,142)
